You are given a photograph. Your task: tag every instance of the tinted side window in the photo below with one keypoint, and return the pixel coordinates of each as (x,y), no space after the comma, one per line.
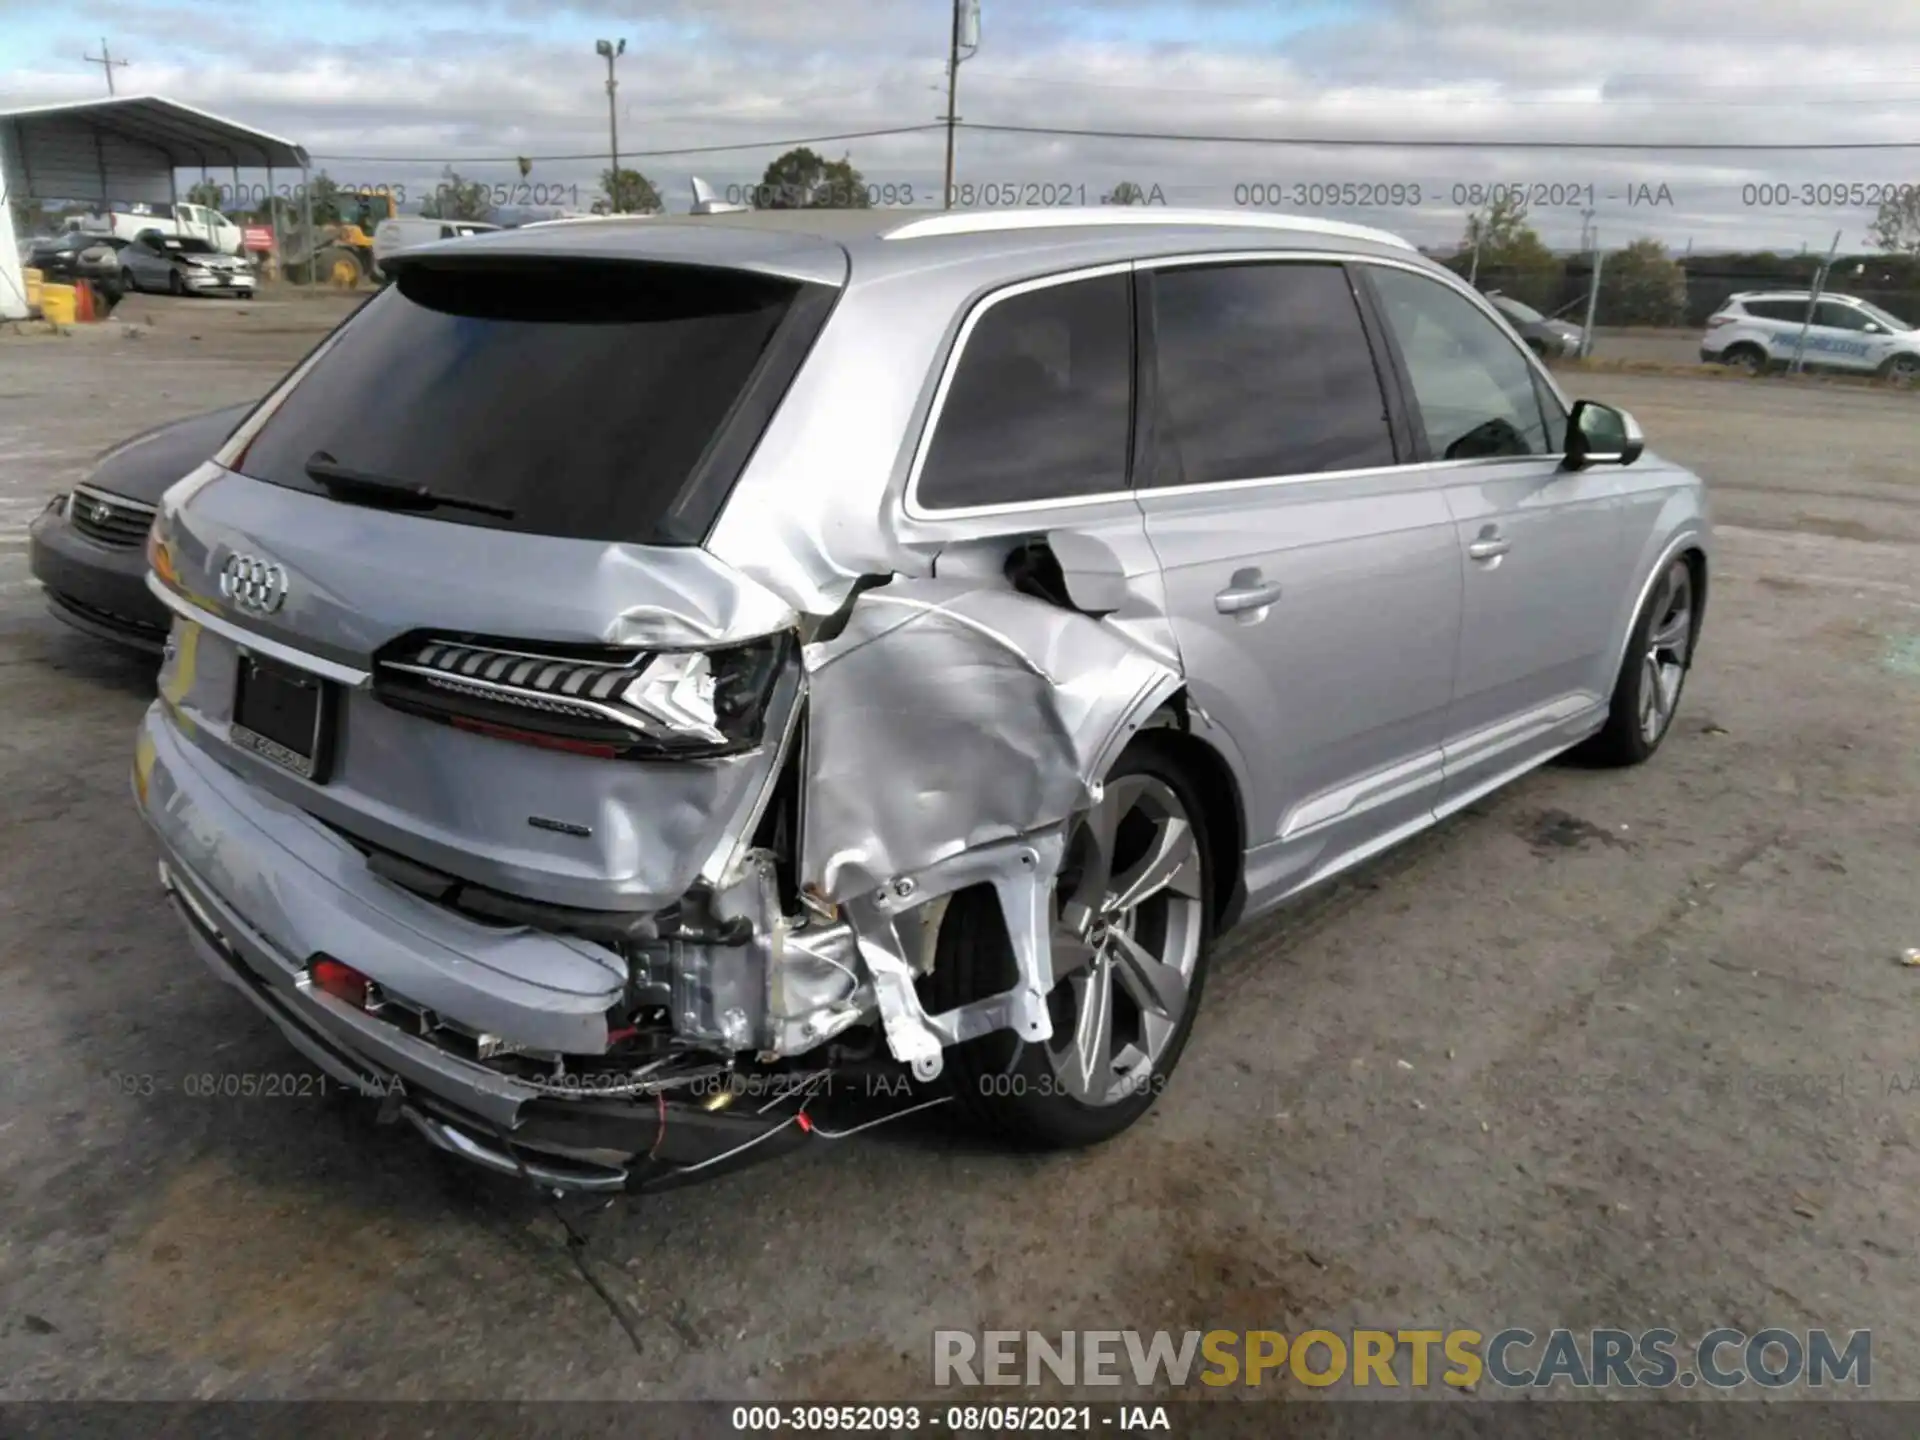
(1041,404)
(1472,385)
(1263,370)
(1794,310)
(1841,317)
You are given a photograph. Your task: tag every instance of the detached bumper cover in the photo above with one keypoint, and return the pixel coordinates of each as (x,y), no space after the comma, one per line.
(261,888)
(279,888)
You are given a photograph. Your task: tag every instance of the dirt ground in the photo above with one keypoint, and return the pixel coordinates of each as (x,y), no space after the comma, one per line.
(1613,1049)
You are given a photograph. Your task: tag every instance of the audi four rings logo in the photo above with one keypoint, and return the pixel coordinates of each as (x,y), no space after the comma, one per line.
(254,584)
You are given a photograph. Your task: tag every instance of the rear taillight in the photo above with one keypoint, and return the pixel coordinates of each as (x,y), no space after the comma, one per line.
(343,982)
(1714,322)
(613,704)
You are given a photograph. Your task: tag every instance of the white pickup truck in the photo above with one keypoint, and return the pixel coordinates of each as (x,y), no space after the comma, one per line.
(198,220)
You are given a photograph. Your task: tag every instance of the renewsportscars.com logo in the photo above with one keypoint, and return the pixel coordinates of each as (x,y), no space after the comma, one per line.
(1513,1358)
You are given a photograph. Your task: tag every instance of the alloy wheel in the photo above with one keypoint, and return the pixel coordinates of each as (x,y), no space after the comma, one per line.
(1128,926)
(1669,640)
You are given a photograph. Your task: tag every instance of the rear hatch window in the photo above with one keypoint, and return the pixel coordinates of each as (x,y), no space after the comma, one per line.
(584,399)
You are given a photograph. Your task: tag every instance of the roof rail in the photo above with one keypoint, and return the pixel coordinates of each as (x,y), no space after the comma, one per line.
(978,222)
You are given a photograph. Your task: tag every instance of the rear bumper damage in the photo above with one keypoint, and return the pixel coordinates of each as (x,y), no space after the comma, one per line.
(951,731)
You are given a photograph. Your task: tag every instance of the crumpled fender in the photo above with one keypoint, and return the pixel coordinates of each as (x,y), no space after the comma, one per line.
(954,727)
(948,715)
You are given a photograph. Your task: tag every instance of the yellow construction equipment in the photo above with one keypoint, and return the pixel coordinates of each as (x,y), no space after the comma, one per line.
(340,253)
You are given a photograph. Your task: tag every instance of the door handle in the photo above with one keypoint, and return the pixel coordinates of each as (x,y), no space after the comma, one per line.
(1489,547)
(1246,592)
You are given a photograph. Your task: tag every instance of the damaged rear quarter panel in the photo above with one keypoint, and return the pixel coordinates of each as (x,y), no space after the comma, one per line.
(955,726)
(948,716)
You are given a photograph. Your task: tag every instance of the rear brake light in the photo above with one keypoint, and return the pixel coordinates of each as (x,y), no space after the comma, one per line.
(1714,322)
(598,749)
(343,982)
(607,703)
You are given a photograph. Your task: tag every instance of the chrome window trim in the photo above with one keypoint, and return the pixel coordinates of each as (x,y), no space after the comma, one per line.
(1080,217)
(253,641)
(910,497)
(955,353)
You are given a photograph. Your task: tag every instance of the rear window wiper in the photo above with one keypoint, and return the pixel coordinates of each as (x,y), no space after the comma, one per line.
(398,494)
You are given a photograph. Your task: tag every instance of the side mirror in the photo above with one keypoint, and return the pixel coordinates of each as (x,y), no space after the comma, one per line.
(1601,435)
(1871,328)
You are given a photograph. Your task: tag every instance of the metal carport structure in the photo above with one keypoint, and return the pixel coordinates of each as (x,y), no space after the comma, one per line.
(124,150)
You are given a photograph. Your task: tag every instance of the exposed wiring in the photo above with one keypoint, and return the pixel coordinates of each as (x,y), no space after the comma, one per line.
(806,1090)
(793,1119)
(806,1123)
(884,1119)
(577,1242)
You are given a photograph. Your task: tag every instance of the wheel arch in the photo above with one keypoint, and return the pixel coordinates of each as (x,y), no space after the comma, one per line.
(1691,542)
(1695,554)
(1173,733)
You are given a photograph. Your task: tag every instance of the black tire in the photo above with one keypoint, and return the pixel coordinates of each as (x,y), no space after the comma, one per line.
(128,283)
(1655,663)
(340,267)
(1011,1086)
(175,285)
(1750,359)
(1902,370)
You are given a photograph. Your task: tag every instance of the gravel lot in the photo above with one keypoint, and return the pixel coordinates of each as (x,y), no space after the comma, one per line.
(1613,1049)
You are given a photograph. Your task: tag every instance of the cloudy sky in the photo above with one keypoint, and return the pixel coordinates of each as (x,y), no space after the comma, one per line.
(382,93)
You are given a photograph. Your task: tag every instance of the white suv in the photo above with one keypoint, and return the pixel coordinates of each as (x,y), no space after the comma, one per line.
(1759,329)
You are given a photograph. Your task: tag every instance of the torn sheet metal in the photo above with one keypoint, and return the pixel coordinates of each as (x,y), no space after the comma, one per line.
(948,716)
(888,921)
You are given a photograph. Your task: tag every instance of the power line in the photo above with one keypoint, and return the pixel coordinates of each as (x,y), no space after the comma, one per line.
(1281,87)
(631,154)
(1305,141)
(1347,142)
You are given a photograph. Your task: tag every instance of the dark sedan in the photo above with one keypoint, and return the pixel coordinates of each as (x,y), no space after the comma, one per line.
(88,548)
(1549,339)
(79,255)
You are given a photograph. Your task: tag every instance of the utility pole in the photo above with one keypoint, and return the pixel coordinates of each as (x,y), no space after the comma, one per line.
(1813,301)
(1593,297)
(106,62)
(965,36)
(612,50)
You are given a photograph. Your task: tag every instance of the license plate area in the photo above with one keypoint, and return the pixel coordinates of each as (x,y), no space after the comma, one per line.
(282,714)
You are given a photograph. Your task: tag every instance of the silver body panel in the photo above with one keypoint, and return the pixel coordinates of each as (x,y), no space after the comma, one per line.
(1337,642)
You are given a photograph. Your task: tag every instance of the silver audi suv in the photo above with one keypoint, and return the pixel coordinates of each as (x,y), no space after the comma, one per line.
(639,666)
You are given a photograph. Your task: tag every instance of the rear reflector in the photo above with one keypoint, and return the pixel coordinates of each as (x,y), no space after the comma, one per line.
(343,982)
(596,748)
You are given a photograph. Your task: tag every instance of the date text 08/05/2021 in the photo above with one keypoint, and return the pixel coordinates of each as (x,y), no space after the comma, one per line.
(952,1419)
(536,194)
